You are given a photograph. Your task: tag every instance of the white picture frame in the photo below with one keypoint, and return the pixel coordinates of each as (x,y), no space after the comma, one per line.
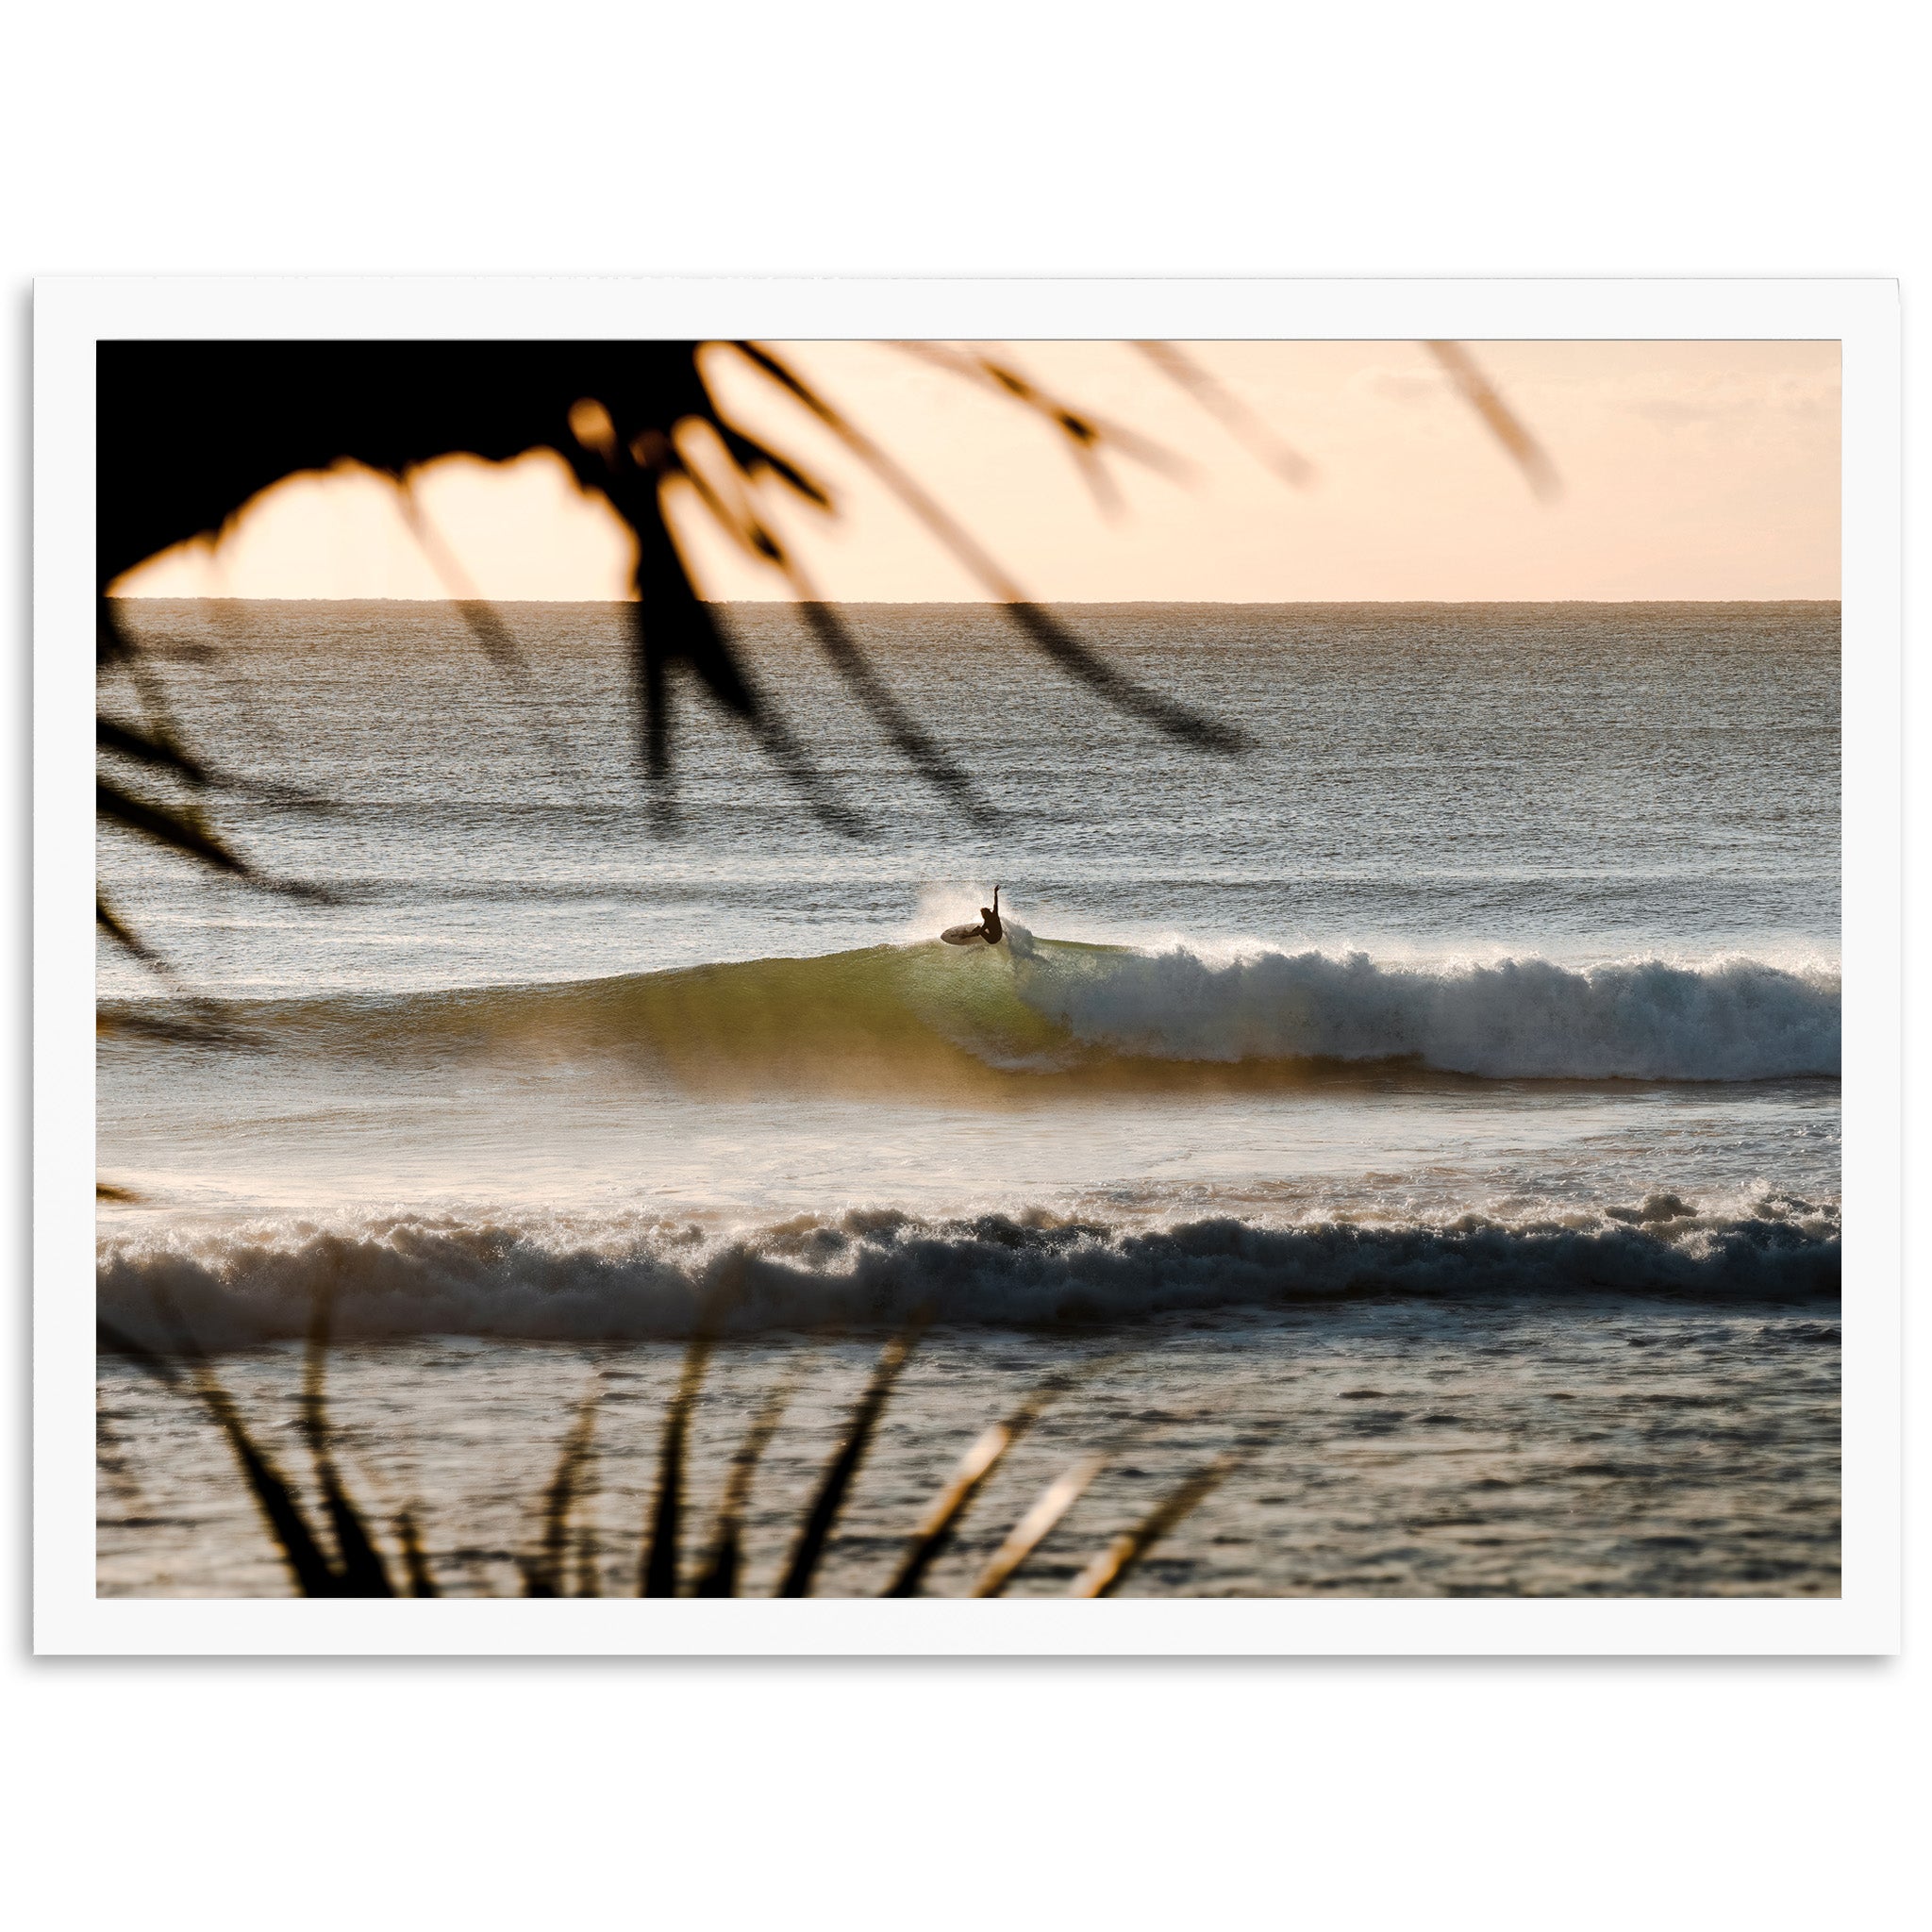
(72,315)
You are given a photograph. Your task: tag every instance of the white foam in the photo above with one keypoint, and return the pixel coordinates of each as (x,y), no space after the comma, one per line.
(1518,1017)
(413,1274)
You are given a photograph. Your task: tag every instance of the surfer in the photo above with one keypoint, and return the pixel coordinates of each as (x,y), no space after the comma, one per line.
(990,929)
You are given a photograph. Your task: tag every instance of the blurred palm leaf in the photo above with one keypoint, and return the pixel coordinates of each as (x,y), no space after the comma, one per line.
(1241,422)
(543,1571)
(1086,435)
(843,1468)
(359,1567)
(719,1574)
(657,1568)
(189,432)
(1483,396)
(314,1574)
(1037,1525)
(1110,1567)
(971,1474)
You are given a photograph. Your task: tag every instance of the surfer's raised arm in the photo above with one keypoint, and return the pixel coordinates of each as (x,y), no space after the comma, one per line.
(990,920)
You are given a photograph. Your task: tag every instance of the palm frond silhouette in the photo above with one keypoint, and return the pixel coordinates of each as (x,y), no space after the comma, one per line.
(189,432)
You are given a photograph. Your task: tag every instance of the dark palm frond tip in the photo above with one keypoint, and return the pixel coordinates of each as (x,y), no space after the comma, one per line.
(984,1455)
(845,1466)
(1087,435)
(111,1454)
(1483,396)
(935,1528)
(415,1563)
(732,510)
(543,1571)
(359,1567)
(199,1022)
(159,754)
(1110,1567)
(125,936)
(486,625)
(908,737)
(1055,641)
(719,1576)
(1239,421)
(180,827)
(157,747)
(657,1565)
(1045,631)
(183,830)
(151,749)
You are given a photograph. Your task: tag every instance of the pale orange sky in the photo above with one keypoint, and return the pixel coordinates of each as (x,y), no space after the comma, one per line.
(1689,469)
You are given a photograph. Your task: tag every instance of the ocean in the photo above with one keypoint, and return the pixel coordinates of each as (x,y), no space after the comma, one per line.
(1427,1118)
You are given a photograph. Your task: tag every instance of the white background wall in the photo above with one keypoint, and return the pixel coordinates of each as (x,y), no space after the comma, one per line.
(1652,138)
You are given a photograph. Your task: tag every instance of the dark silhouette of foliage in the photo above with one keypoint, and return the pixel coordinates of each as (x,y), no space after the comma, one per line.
(356,1567)
(187,432)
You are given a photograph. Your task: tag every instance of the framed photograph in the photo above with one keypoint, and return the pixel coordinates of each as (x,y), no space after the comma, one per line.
(923,967)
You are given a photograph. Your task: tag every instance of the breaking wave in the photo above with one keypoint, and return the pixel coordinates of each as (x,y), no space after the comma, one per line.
(927,1017)
(1516,1018)
(409,1274)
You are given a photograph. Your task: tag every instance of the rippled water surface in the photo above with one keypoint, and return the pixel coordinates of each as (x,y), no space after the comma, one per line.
(1616,1450)
(1435,1106)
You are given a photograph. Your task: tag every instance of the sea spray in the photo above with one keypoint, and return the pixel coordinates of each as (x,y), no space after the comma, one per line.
(1737,1020)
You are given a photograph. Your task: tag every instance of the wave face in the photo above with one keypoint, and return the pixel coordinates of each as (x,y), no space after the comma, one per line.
(931,1018)
(417,1274)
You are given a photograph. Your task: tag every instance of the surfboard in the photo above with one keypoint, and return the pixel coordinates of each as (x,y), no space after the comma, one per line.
(963,935)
